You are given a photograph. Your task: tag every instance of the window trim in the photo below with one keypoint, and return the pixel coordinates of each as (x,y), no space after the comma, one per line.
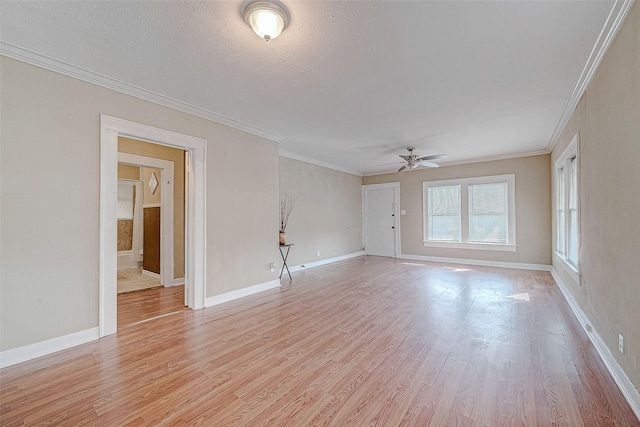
(564,162)
(465,213)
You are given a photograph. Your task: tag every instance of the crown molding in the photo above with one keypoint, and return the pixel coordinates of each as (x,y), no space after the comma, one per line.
(471,161)
(24,55)
(298,157)
(610,29)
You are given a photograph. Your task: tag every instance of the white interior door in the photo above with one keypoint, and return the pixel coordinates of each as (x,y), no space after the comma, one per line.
(379,220)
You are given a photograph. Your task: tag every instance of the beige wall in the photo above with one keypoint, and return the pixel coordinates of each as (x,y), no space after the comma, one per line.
(328,214)
(52,123)
(607,120)
(146,149)
(533,208)
(128,172)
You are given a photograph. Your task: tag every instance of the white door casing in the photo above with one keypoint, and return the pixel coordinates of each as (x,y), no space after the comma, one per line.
(110,129)
(380,219)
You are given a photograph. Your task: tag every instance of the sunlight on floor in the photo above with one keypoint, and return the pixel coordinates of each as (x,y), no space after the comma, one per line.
(456,269)
(520,297)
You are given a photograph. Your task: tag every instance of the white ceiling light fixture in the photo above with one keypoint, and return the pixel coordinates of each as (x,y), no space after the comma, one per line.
(267,18)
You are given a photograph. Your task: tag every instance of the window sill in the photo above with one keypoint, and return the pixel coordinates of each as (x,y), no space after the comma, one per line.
(474,246)
(569,268)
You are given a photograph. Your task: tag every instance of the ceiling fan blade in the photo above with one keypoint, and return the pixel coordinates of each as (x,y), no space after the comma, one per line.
(429,164)
(402,168)
(387,164)
(404,156)
(435,156)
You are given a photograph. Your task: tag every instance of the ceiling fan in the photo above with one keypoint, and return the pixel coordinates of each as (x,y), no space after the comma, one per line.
(413,160)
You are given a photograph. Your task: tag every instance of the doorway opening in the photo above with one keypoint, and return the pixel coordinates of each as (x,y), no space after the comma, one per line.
(194,226)
(151,224)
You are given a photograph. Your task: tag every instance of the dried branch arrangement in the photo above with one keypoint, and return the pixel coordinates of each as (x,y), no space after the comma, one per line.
(287,203)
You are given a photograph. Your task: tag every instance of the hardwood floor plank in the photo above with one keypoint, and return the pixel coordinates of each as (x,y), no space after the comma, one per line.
(140,305)
(367,341)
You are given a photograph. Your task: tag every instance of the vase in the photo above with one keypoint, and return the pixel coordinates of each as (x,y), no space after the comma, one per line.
(283,238)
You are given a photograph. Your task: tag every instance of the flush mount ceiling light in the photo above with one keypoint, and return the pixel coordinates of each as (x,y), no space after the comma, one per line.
(267,18)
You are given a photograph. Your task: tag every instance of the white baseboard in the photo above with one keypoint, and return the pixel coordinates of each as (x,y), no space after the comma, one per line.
(517,265)
(244,292)
(629,391)
(151,274)
(308,265)
(42,348)
(176,282)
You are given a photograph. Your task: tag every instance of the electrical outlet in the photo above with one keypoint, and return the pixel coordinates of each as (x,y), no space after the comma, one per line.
(621,343)
(318,253)
(272,267)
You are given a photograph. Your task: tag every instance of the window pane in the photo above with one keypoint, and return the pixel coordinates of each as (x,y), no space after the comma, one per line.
(573,190)
(444,200)
(561,232)
(572,243)
(444,213)
(572,252)
(561,222)
(488,213)
(488,198)
(444,227)
(125,200)
(488,228)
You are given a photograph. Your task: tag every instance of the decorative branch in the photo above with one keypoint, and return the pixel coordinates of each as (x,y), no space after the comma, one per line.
(287,203)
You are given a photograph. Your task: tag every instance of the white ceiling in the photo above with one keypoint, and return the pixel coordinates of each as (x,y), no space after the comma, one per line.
(348,83)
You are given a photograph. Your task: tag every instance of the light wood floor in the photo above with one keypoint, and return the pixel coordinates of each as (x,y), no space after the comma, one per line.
(132,279)
(139,306)
(367,341)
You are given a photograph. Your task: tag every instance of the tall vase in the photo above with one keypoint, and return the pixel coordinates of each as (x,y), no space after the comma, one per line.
(283,238)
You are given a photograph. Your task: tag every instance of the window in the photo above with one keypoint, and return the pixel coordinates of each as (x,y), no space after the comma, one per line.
(126,197)
(488,212)
(471,213)
(444,213)
(567,203)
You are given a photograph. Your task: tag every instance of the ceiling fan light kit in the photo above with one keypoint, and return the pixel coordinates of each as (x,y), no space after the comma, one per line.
(266,18)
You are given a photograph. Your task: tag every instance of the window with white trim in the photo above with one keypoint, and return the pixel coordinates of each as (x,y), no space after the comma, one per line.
(567,203)
(470,213)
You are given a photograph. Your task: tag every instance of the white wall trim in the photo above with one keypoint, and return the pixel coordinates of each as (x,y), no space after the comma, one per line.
(42,348)
(501,264)
(16,52)
(151,274)
(610,29)
(178,281)
(629,391)
(300,158)
(240,293)
(308,265)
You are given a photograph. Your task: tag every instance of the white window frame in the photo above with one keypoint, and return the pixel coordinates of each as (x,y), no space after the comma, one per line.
(562,168)
(465,215)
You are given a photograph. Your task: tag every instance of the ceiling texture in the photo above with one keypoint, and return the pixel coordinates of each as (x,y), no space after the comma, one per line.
(348,84)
